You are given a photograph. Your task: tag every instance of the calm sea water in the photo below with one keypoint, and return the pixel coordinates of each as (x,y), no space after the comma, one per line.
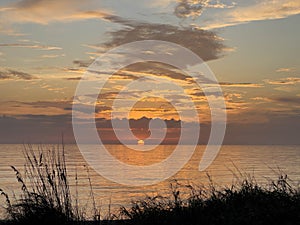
(264,162)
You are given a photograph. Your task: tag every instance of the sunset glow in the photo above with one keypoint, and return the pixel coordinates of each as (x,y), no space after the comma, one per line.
(251,47)
(140,142)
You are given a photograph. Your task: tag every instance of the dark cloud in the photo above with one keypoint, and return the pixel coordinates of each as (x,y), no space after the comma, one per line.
(205,44)
(88,108)
(230,84)
(36,129)
(190,8)
(73,78)
(9,74)
(82,63)
(288,100)
(280,129)
(158,69)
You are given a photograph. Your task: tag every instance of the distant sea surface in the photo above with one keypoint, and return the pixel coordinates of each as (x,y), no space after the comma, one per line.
(263,162)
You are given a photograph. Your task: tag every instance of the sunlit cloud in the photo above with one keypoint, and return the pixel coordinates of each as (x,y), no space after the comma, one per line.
(284,81)
(190,8)
(32,46)
(45,108)
(194,8)
(52,56)
(240,85)
(286,70)
(262,10)
(46,11)
(260,100)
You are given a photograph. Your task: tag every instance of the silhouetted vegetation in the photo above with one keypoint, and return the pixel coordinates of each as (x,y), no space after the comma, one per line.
(45,191)
(244,203)
(46,199)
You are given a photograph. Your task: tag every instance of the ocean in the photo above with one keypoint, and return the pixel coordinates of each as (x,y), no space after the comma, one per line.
(233,161)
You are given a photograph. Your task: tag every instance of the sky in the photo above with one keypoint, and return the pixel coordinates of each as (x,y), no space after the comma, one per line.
(252,47)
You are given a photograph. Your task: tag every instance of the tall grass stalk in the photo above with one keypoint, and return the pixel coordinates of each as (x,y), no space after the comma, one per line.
(45,190)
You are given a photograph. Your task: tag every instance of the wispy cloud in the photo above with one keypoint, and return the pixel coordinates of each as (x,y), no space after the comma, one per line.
(74,78)
(46,108)
(9,74)
(262,10)
(287,100)
(242,85)
(82,63)
(46,11)
(33,46)
(286,70)
(284,81)
(52,56)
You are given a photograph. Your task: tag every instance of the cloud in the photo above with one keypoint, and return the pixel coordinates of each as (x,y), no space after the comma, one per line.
(284,81)
(46,11)
(74,78)
(49,104)
(52,56)
(190,8)
(30,128)
(149,69)
(246,85)
(263,10)
(47,108)
(33,46)
(278,129)
(9,74)
(287,100)
(205,44)
(194,8)
(285,70)
(261,99)
(82,63)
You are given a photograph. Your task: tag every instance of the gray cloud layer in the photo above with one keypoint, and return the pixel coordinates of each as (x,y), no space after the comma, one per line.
(205,44)
(48,129)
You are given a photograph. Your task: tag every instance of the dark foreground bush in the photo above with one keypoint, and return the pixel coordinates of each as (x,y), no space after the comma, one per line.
(244,203)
